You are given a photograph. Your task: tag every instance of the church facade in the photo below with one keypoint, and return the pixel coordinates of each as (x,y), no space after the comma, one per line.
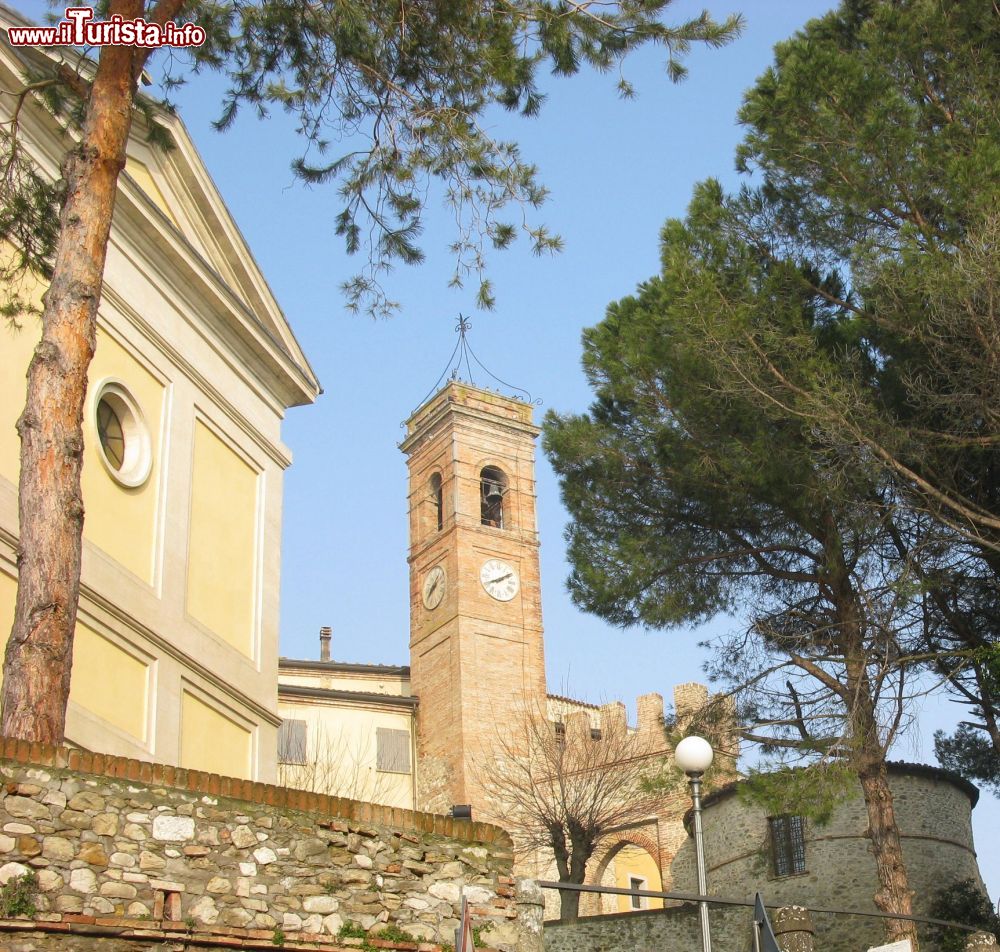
(176,643)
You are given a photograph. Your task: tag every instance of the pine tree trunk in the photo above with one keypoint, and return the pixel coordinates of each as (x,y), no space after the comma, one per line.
(50,506)
(893,894)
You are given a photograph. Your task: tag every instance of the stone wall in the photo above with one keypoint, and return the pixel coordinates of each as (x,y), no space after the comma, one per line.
(120,844)
(934,814)
(652,930)
(933,809)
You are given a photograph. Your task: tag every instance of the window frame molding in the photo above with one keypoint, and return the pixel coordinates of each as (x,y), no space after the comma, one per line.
(137,456)
(638,903)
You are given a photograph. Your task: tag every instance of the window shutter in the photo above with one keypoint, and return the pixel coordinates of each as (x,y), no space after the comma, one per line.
(292,742)
(393,754)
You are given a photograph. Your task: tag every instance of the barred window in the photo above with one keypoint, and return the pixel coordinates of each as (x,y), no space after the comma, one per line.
(292,742)
(393,754)
(788,844)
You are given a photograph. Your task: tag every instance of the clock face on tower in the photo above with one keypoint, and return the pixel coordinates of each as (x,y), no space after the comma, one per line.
(500,580)
(434,587)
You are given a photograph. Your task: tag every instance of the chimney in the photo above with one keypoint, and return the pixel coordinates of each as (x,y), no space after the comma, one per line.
(325,636)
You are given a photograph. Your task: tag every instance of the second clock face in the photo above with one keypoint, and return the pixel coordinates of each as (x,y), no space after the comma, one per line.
(435,584)
(499,579)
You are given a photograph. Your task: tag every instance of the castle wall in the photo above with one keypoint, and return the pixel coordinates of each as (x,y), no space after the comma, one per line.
(933,810)
(658,838)
(934,814)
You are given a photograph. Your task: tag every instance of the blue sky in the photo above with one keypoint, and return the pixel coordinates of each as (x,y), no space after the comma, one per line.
(617,170)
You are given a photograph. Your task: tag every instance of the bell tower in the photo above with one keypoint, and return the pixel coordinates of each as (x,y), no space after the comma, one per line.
(476,654)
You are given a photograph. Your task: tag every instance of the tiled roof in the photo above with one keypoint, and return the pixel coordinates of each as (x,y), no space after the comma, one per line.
(573,700)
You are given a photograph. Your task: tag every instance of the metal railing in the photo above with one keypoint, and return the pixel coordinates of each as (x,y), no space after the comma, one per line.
(748,903)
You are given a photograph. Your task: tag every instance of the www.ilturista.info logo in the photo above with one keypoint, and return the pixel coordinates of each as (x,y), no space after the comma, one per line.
(78,28)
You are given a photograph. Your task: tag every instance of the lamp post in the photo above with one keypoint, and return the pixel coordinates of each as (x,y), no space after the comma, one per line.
(694,756)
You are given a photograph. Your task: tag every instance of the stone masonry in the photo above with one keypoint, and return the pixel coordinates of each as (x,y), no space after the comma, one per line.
(116,841)
(933,809)
(934,812)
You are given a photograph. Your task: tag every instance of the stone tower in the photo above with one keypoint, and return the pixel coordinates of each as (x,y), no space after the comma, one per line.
(476,654)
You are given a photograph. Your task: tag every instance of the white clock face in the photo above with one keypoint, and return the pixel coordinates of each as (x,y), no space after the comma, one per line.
(435,584)
(499,579)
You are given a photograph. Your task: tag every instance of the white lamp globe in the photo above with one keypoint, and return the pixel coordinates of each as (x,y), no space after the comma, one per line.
(694,755)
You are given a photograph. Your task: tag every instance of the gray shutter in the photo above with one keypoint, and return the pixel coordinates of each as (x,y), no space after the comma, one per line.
(393,753)
(292,742)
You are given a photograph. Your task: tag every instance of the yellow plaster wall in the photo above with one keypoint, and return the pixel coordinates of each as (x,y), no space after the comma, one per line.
(122,521)
(144,179)
(342,753)
(211,741)
(635,861)
(222,542)
(110,682)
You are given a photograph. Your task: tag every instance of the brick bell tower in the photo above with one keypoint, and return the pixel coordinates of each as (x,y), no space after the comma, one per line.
(476,654)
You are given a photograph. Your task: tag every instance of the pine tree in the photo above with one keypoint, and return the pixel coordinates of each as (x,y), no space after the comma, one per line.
(796,421)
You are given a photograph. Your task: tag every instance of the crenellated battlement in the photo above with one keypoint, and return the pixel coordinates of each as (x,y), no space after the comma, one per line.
(653,729)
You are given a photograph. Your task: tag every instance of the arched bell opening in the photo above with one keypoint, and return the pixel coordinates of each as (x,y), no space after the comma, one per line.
(492,497)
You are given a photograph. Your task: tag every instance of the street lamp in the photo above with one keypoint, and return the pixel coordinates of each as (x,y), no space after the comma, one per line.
(694,756)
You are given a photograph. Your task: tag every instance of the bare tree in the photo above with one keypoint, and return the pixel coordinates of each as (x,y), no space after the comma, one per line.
(338,763)
(562,787)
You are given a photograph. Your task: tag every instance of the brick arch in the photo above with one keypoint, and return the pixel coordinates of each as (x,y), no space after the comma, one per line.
(590,903)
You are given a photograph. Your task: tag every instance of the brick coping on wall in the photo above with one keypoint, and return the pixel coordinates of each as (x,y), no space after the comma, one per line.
(201,782)
(222,937)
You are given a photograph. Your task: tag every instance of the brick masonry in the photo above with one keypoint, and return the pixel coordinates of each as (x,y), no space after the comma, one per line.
(147,852)
(475,661)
